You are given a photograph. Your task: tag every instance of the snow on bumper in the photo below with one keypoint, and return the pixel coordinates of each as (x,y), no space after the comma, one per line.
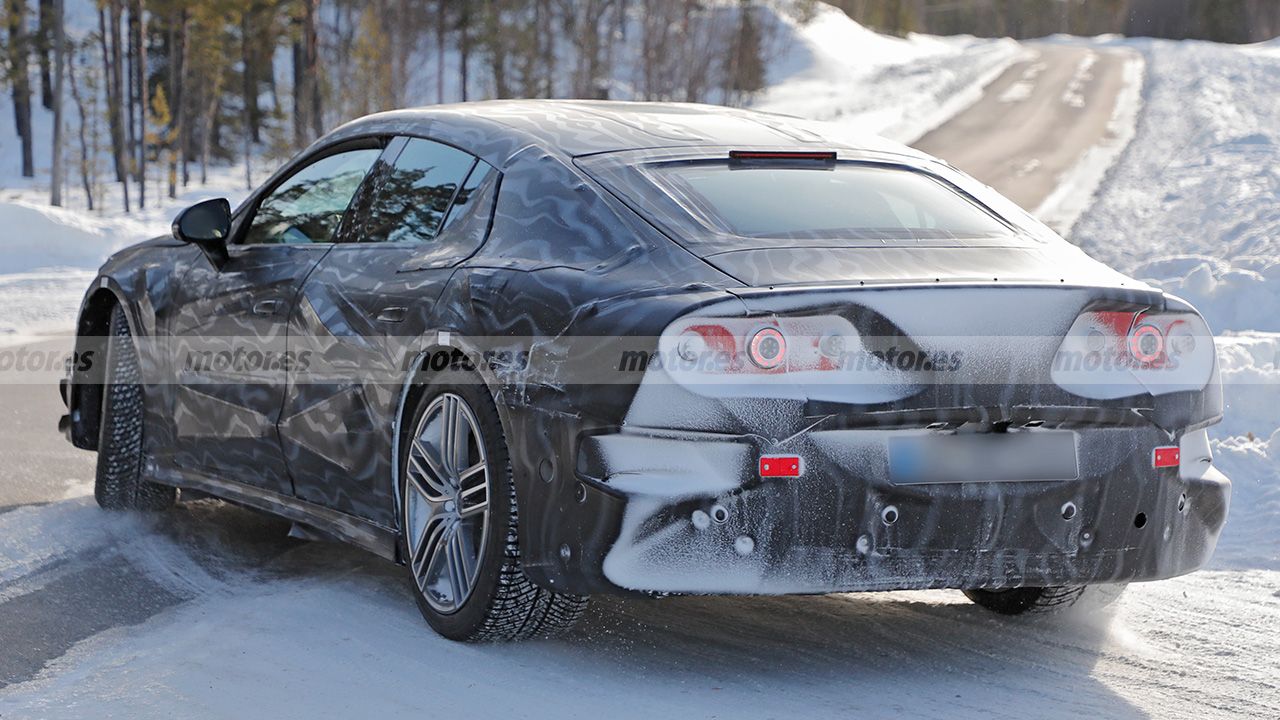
(698,519)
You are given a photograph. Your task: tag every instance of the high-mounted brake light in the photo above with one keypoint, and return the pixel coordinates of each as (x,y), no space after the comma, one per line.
(781,466)
(825,156)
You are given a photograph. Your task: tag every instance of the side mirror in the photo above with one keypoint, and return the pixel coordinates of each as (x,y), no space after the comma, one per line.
(206,225)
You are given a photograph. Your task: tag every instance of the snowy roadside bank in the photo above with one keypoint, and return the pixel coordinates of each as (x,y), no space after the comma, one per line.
(839,71)
(1192,205)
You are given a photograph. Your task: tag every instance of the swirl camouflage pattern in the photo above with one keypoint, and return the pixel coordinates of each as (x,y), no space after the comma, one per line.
(721,351)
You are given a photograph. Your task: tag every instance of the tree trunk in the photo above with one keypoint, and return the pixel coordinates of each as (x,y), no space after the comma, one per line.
(87,178)
(307,124)
(130,96)
(249,76)
(116,72)
(44,35)
(21,81)
(59,57)
(207,129)
(464,47)
(178,97)
(112,94)
(137,22)
(442,30)
(184,105)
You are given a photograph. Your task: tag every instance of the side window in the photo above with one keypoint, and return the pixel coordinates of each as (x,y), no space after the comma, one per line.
(308,206)
(464,200)
(414,197)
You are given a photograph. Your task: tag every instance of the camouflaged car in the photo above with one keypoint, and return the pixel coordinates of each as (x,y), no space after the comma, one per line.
(538,350)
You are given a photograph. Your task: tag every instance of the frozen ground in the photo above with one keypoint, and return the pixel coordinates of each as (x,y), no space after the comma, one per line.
(209,611)
(284,629)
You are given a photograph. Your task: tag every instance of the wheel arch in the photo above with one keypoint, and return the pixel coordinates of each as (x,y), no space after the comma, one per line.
(417,380)
(93,325)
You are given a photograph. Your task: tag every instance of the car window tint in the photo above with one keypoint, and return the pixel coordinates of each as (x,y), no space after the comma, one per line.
(467,195)
(308,206)
(845,201)
(413,198)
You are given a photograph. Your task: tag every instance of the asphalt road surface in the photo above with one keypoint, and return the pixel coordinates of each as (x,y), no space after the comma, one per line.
(1034,121)
(186,611)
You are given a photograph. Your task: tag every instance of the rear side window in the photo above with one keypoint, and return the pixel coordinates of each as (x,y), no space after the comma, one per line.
(835,201)
(413,199)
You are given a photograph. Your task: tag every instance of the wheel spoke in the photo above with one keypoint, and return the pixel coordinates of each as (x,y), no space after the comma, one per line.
(428,549)
(432,475)
(453,436)
(459,565)
(474,497)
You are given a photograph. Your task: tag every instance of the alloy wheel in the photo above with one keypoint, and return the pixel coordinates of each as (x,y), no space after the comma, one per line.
(446,508)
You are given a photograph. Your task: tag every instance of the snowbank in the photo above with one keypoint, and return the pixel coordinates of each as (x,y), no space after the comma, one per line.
(837,70)
(39,236)
(1192,205)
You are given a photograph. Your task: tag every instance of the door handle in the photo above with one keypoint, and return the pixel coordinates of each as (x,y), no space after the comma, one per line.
(266,307)
(392,314)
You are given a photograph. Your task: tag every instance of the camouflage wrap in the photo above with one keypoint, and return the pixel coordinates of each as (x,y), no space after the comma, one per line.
(556,259)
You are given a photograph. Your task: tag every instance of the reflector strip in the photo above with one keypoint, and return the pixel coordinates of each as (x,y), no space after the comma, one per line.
(780,155)
(1166,457)
(781,466)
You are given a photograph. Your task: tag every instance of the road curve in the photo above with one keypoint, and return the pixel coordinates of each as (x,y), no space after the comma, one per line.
(1035,121)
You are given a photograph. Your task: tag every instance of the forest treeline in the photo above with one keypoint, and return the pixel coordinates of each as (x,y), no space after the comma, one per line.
(158,90)
(146,94)
(1231,21)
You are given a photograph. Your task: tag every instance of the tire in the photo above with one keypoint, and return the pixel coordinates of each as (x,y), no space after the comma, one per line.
(1040,600)
(118,484)
(500,603)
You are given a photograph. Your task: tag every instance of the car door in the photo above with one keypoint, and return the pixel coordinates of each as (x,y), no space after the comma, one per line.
(229,324)
(361,315)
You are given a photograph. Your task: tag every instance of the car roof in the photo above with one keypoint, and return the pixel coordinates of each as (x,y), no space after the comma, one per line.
(586,127)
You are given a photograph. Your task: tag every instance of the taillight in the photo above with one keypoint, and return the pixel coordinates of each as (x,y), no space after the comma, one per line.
(767,348)
(771,346)
(1146,343)
(1118,353)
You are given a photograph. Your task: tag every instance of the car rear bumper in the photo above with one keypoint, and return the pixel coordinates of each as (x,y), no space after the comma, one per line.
(691,515)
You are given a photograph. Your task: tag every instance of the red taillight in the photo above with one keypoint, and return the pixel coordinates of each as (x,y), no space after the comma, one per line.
(781,466)
(767,348)
(1146,343)
(716,338)
(1164,457)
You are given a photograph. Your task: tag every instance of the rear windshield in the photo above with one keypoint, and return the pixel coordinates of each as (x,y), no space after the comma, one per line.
(836,201)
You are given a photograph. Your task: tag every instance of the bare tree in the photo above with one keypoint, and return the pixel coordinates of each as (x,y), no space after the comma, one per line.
(136,24)
(44,41)
(20,81)
(88,112)
(112,62)
(307,124)
(59,56)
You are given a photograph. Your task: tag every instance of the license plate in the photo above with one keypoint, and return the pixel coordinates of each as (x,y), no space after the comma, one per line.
(1041,456)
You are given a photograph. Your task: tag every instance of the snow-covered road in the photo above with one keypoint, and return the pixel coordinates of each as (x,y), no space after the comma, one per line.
(260,625)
